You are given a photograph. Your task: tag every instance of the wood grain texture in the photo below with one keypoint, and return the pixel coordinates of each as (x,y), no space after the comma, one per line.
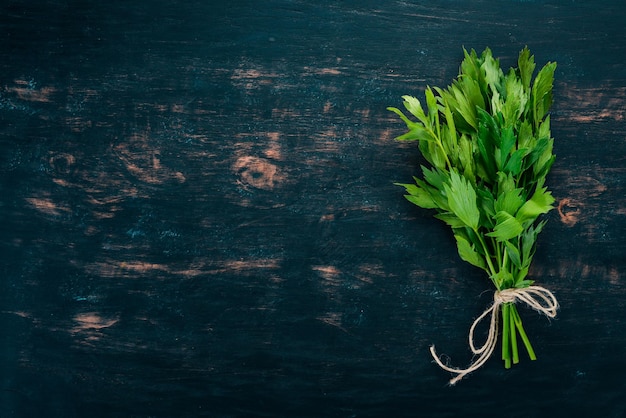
(199,216)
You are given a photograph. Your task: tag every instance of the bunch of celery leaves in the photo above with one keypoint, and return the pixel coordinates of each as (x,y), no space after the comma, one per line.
(487,140)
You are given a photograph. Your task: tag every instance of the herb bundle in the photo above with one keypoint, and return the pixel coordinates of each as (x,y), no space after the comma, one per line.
(487,141)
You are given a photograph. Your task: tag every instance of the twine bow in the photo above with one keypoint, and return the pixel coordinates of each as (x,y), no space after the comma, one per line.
(537,297)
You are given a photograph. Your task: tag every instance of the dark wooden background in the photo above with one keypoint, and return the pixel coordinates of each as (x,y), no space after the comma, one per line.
(199,217)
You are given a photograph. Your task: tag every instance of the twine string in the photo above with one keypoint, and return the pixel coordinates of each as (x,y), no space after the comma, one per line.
(537,297)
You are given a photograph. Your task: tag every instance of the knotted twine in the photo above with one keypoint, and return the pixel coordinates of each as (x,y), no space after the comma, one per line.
(537,297)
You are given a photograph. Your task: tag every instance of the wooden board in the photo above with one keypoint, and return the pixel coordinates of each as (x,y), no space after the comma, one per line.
(199,216)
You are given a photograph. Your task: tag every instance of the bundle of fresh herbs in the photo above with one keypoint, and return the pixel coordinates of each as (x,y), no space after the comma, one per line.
(487,141)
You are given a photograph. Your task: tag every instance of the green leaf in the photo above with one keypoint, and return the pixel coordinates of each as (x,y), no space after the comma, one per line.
(433,110)
(503,279)
(414,106)
(541,171)
(409,123)
(540,203)
(514,254)
(468,252)
(418,196)
(437,178)
(486,142)
(450,138)
(529,238)
(416,133)
(516,98)
(506,182)
(542,92)
(462,199)
(451,220)
(475,238)
(514,164)
(449,143)
(492,71)
(544,128)
(509,201)
(506,143)
(466,157)
(470,66)
(542,149)
(436,194)
(526,66)
(497,103)
(523,283)
(525,138)
(544,156)
(486,203)
(507,227)
(422,200)
(468,97)
(433,154)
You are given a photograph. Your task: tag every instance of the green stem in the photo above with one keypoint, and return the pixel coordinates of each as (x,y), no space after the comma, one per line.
(506,355)
(438,141)
(448,163)
(513,335)
(522,333)
(495,245)
(505,258)
(492,270)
